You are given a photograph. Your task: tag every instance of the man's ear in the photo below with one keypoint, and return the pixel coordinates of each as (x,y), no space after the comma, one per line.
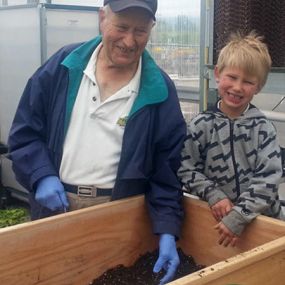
(101,17)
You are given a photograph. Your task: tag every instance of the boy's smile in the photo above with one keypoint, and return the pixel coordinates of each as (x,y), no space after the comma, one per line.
(236,89)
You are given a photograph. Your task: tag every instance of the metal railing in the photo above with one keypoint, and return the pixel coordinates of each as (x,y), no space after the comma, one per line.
(274,116)
(177,60)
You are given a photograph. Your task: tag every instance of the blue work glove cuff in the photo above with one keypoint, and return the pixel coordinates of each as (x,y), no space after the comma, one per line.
(166,238)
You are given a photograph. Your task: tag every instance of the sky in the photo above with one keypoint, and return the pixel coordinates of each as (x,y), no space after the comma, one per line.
(172,7)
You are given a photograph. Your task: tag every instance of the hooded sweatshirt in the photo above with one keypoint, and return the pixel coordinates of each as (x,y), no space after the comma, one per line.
(238,159)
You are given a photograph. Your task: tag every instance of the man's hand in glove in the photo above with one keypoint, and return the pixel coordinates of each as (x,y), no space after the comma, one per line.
(168,258)
(50,193)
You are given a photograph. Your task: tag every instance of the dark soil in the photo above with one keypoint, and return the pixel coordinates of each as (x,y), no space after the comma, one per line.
(141,272)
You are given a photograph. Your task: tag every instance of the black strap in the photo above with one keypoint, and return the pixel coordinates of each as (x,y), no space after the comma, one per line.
(99,191)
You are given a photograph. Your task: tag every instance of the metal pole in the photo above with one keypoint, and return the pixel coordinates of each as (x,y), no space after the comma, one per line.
(43,33)
(4,2)
(203,25)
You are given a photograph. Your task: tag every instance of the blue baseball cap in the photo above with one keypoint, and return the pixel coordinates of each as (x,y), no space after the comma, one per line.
(120,5)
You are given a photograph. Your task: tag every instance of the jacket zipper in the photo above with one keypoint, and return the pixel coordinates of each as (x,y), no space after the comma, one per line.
(233,157)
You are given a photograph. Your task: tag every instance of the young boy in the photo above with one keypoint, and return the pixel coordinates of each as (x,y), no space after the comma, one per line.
(231,157)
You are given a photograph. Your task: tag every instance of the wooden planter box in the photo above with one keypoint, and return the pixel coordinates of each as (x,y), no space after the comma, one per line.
(76,247)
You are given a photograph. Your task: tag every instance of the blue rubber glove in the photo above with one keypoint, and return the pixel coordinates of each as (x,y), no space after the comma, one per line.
(50,194)
(168,258)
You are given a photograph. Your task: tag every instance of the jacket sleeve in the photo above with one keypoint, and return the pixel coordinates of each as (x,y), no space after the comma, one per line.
(28,140)
(262,193)
(191,172)
(164,198)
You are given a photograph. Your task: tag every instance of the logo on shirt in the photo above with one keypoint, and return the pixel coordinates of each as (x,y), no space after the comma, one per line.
(122,121)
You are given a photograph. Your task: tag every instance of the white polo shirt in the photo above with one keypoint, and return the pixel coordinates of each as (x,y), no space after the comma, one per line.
(93,142)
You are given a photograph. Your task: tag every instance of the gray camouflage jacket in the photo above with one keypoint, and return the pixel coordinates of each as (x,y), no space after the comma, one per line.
(238,159)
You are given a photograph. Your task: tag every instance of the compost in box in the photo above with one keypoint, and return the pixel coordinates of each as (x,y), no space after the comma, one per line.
(141,272)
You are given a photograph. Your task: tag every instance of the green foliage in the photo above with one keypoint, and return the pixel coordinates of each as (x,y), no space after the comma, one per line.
(13,216)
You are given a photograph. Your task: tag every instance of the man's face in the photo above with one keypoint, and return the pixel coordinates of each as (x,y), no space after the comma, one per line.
(125,35)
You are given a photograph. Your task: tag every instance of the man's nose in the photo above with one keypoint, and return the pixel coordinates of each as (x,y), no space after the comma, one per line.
(129,40)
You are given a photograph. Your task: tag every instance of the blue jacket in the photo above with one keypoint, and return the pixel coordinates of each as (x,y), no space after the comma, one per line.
(152,140)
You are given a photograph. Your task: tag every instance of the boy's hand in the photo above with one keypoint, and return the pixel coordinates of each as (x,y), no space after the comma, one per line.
(226,236)
(221,209)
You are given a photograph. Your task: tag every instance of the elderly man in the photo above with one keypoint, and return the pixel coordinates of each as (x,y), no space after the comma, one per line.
(100,121)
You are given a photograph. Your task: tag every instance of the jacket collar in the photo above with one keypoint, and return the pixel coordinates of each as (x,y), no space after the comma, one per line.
(152,89)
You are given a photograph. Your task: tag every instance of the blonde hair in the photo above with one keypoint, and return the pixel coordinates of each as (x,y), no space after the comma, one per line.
(248,53)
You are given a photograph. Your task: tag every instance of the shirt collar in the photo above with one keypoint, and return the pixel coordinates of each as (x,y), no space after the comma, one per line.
(89,71)
(219,104)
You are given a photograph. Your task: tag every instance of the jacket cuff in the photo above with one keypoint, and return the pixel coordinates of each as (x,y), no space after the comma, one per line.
(215,196)
(164,227)
(235,222)
(40,173)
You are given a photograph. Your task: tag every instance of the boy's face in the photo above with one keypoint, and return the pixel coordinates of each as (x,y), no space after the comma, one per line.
(236,89)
